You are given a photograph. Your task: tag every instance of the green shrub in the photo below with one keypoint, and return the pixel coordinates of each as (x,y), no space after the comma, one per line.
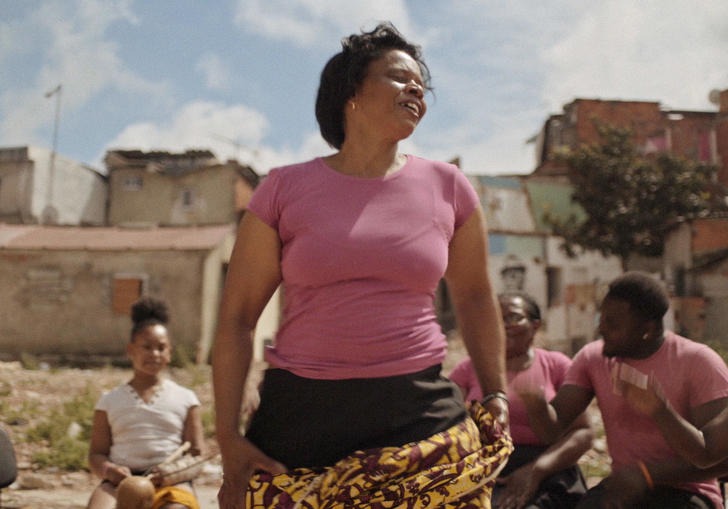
(13,415)
(6,388)
(29,361)
(208,423)
(66,454)
(61,450)
(181,357)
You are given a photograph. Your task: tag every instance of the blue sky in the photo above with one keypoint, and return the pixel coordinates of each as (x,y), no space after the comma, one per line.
(240,76)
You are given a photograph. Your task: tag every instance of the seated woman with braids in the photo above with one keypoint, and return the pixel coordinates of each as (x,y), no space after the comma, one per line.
(141,423)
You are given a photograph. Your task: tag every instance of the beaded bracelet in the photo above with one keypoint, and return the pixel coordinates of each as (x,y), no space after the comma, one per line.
(493,395)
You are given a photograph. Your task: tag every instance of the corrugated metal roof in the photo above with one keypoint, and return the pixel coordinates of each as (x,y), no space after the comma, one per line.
(189,238)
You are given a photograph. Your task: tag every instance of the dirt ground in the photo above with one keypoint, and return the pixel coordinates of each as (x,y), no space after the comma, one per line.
(46,388)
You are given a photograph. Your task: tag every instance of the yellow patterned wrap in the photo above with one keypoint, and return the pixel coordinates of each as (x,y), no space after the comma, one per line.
(452,469)
(170,494)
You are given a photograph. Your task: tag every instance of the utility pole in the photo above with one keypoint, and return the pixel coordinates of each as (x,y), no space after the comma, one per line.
(49,211)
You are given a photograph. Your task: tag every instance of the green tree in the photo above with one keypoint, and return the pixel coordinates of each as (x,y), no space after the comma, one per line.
(629,199)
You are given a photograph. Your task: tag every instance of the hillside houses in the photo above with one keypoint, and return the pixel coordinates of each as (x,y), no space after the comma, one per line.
(693,266)
(78,246)
(39,186)
(69,289)
(524,256)
(71,284)
(697,135)
(191,188)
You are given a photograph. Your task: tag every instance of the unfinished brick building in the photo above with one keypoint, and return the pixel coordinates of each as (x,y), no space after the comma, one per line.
(698,135)
(694,265)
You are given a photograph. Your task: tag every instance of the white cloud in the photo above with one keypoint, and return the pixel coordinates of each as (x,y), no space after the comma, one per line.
(482,151)
(657,50)
(214,70)
(268,157)
(77,55)
(313,22)
(231,132)
(228,130)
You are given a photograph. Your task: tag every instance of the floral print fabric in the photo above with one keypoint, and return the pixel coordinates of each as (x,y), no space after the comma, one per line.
(456,468)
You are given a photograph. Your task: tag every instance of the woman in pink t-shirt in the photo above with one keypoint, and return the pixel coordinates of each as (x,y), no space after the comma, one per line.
(538,475)
(359,240)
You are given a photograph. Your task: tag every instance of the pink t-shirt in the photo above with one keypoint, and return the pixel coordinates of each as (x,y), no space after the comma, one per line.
(548,371)
(361,259)
(690,374)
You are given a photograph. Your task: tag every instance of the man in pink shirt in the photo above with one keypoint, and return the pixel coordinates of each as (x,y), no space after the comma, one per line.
(646,472)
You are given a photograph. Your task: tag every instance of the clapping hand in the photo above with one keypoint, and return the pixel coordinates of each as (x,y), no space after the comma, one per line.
(530,388)
(642,392)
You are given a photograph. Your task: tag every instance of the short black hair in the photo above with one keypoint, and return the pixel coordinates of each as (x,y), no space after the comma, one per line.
(148,311)
(644,294)
(344,73)
(532,307)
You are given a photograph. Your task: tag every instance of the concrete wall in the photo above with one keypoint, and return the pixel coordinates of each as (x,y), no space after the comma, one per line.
(16,182)
(516,263)
(713,286)
(268,323)
(161,198)
(576,288)
(213,281)
(61,302)
(677,261)
(34,191)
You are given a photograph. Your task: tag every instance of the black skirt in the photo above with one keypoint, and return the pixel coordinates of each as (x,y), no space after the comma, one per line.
(304,422)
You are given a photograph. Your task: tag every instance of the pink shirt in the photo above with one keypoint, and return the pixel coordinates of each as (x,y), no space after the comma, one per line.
(548,371)
(690,374)
(361,259)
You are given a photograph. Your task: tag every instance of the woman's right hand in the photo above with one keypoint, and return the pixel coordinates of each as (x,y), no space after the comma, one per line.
(240,459)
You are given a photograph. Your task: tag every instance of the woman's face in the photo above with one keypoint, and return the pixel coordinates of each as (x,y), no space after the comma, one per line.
(390,100)
(520,328)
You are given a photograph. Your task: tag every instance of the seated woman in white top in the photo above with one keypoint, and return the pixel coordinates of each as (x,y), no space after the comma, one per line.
(142,422)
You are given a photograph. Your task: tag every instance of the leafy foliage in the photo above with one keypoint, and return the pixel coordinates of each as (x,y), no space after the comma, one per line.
(630,199)
(61,450)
